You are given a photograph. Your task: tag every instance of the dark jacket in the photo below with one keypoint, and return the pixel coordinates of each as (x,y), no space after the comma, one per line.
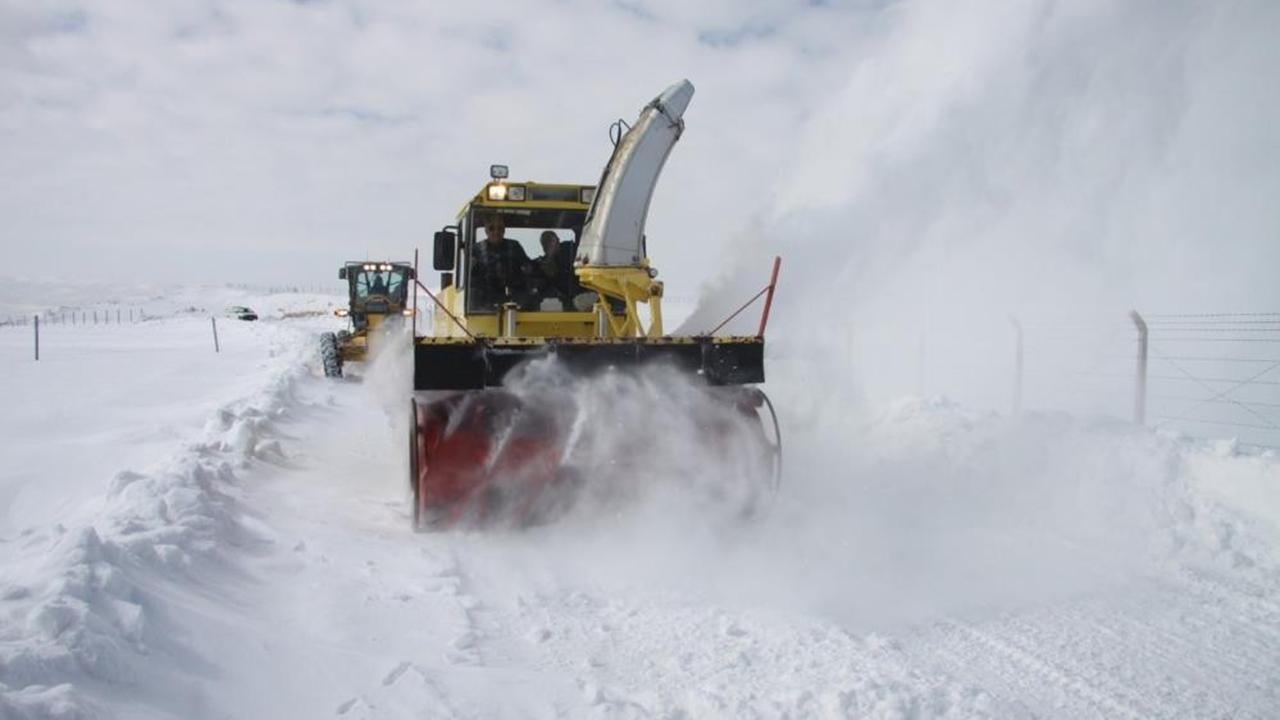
(499,269)
(554,276)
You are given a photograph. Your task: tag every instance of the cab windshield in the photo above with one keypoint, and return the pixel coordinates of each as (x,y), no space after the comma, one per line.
(387,283)
(522,256)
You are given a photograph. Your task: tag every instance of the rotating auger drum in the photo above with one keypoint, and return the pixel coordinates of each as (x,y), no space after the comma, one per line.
(489,457)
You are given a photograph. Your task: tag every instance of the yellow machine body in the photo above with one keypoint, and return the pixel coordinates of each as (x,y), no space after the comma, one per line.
(616,316)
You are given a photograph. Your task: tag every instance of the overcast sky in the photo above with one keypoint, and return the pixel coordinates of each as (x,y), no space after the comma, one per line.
(277,139)
(1026,150)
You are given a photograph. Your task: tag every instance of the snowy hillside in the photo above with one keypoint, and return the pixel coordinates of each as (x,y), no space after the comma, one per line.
(196,535)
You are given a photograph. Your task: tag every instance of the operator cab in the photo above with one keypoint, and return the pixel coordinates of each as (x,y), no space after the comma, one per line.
(514,244)
(376,288)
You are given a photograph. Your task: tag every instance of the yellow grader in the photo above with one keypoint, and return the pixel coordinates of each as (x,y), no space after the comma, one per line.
(377,294)
(590,302)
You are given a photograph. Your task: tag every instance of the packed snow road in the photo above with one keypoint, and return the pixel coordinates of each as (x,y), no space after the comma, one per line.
(928,562)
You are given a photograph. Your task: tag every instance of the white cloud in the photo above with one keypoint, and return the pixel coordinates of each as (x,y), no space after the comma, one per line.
(210,135)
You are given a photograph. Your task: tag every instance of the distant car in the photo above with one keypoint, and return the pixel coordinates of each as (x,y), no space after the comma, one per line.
(241,313)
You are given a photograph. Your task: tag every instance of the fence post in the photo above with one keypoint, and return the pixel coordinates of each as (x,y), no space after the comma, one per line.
(37,325)
(920,363)
(1017,370)
(1140,382)
(214,320)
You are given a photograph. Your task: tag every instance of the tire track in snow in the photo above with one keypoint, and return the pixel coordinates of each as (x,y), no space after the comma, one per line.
(668,654)
(1136,648)
(1020,660)
(1156,650)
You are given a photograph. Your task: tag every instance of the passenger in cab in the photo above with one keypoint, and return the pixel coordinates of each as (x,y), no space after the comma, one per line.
(553,275)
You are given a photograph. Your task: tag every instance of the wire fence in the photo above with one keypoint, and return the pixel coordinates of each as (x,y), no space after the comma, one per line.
(1210,375)
(115,312)
(108,316)
(1218,372)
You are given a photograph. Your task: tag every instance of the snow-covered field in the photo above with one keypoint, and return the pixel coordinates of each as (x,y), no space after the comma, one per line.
(196,535)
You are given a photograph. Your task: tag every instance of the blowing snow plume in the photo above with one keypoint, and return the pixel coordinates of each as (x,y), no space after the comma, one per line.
(555,439)
(656,432)
(1042,159)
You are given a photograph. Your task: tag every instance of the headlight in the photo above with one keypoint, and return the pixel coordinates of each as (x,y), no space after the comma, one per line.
(497,191)
(515,192)
(341,312)
(587,195)
(408,312)
(498,172)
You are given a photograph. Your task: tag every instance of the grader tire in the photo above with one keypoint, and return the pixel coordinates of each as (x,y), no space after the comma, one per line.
(329,356)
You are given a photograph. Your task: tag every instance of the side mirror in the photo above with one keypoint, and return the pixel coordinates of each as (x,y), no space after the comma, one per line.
(342,273)
(442,257)
(410,273)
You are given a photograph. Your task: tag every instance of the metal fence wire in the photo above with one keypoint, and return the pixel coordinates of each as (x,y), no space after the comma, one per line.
(1218,373)
(1210,375)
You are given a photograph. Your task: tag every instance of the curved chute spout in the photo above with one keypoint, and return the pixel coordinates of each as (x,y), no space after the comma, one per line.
(614,233)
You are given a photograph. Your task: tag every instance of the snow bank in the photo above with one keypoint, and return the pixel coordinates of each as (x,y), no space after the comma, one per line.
(84,604)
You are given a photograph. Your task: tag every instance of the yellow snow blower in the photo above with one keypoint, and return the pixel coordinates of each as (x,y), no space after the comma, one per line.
(559,273)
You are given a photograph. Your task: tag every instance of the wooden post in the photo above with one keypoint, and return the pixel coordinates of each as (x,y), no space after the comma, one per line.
(214,320)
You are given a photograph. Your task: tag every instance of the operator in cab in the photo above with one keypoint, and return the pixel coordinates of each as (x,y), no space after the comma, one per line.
(501,268)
